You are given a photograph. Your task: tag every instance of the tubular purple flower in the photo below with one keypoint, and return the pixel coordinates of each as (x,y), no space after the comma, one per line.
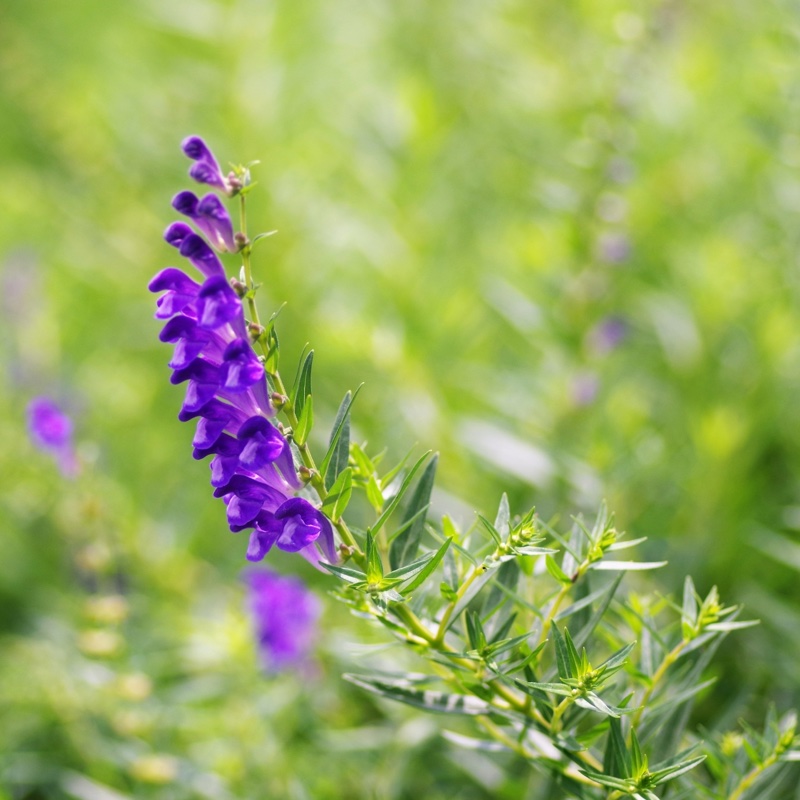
(210,217)
(293,527)
(50,430)
(201,256)
(205,169)
(284,615)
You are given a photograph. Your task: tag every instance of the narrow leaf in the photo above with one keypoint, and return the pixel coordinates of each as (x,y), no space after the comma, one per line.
(302,385)
(427,569)
(404,547)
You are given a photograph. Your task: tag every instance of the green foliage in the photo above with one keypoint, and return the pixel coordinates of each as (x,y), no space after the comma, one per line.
(449,180)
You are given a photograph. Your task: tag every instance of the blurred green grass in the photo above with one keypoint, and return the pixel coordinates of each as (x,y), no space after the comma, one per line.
(465,192)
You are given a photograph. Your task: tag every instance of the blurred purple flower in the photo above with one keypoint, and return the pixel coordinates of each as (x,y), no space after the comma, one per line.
(284,614)
(608,334)
(613,248)
(50,430)
(585,388)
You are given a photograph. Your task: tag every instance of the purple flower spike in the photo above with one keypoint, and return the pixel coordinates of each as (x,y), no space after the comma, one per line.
(252,466)
(206,169)
(284,617)
(50,430)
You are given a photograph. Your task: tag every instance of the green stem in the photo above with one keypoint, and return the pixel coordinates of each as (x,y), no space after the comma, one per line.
(748,780)
(316,479)
(476,571)
(668,661)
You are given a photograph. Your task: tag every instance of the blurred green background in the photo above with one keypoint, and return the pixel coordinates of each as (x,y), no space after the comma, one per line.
(558,242)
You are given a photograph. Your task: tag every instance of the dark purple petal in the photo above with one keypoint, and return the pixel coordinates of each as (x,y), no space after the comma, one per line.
(180,291)
(172,279)
(176,233)
(260,544)
(217,303)
(212,218)
(199,370)
(249,498)
(185,203)
(264,445)
(196,249)
(224,445)
(240,367)
(223,468)
(197,149)
(206,170)
(215,418)
(190,341)
(300,524)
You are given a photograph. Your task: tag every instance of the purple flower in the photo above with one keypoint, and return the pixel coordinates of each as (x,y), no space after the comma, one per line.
(294,527)
(608,334)
(210,217)
(205,169)
(252,467)
(50,429)
(614,248)
(284,614)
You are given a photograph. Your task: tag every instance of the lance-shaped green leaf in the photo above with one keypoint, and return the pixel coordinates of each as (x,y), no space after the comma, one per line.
(393,503)
(503,520)
(302,384)
(338,454)
(567,658)
(339,495)
(374,564)
(305,422)
(626,566)
(345,573)
(406,692)
(427,570)
(659,776)
(506,577)
(617,760)
(475,633)
(557,572)
(404,547)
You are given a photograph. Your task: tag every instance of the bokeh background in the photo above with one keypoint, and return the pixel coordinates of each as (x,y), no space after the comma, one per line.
(558,242)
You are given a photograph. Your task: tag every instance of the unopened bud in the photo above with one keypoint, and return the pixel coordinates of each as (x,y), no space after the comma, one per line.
(234,183)
(240,240)
(238,287)
(345,551)
(305,473)
(256,331)
(278,400)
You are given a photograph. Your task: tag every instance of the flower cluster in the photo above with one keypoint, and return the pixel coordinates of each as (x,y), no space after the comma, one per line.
(252,468)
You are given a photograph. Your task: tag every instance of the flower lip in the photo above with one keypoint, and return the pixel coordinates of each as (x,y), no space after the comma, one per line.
(176,233)
(185,203)
(201,256)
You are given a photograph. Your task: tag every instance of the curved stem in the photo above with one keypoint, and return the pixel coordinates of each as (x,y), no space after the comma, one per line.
(668,661)
(316,479)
